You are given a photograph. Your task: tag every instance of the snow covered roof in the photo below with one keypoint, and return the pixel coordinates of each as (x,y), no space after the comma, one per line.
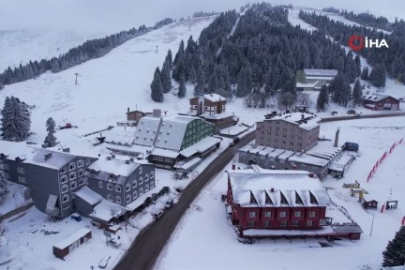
(312,121)
(214,97)
(14,149)
(275,153)
(187,165)
(200,147)
(106,210)
(252,188)
(320,72)
(215,116)
(340,163)
(306,85)
(246,148)
(71,239)
(165,153)
(307,159)
(147,130)
(256,149)
(375,97)
(137,149)
(120,135)
(285,155)
(266,151)
(89,195)
(233,130)
(114,166)
(50,159)
(172,131)
(324,150)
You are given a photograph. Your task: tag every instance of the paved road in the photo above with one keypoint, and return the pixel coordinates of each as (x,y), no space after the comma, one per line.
(149,243)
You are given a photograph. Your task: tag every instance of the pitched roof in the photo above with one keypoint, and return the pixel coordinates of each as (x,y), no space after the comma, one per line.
(320,72)
(252,188)
(55,161)
(214,97)
(120,136)
(89,195)
(312,121)
(114,166)
(375,97)
(146,131)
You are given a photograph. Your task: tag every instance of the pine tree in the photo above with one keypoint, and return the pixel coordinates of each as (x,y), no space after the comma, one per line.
(300,77)
(50,140)
(166,78)
(364,74)
(3,183)
(156,87)
(182,88)
(1,86)
(241,88)
(357,93)
(394,255)
(16,120)
(193,75)
(213,83)
(199,86)
(378,75)
(179,70)
(169,58)
(323,99)
(179,54)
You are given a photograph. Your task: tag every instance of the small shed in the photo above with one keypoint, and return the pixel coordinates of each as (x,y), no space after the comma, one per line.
(63,248)
(367,202)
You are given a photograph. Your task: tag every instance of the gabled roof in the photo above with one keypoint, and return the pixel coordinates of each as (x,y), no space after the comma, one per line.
(120,136)
(89,196)
(292,188)
(214,97)
(375,97)
(312,121)
(114,166)
(55,161)
(320,72)
(146,130)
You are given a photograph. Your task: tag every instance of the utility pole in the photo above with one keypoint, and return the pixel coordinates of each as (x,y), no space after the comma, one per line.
(372,224)
(77,74)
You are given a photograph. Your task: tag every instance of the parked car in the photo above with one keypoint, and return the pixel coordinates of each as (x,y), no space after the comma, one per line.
(169,204)
(158,215)
(334,113)
(351,112)
(114,242)
(76,217)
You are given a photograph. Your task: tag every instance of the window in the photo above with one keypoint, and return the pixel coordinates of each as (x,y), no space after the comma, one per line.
(140,170)
(266,224)
(152,184)
(252,214)
(63,170)
(276,134)
(146,188)
(283,214)
(146,177)
(64,188)
(6,167)
(80,163)
(118,199)
(267,214)
(128,187)
(118,188)
(141,180)
(134,184)
(312,214)
(251,224)
(73,185)
(140,191)
(296,223)
(72,166)
(20,170)
(100,184)
(284,136)
(128,198)
(72,175)
(81,173)
(63,179)
(283,223)
(81,182)
(87,161)
(65,198)
(110,197)
(297,214)
(21,179)
(109,186)
(135,195)
(310,223)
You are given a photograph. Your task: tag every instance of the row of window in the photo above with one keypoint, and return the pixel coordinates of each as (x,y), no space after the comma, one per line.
(73,185)
(128,186)
(72,165)
(252,224)
(118,200)
(72,176)
(283,214)
(162,159)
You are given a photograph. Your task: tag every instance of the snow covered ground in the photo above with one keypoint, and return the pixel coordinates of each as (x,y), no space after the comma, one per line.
(213,241)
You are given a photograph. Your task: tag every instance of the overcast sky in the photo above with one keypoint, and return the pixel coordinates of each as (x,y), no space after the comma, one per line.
(116,15)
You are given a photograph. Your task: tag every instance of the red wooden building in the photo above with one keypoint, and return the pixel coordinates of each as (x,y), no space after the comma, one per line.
(271,203)
(378,102)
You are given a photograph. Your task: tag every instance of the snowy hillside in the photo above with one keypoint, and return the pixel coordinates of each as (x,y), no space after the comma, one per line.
(209,232)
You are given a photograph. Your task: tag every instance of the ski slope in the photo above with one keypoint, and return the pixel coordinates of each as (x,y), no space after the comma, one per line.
(204,238)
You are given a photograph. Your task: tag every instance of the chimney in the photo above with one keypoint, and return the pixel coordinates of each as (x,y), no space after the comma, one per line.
(337,138)
(112,156)
(128,109)
(272,190)
(157,113)
(127,161)
(131,159)
(66,150)
(108,158)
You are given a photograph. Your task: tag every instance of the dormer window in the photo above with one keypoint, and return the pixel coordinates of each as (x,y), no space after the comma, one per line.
(72,166)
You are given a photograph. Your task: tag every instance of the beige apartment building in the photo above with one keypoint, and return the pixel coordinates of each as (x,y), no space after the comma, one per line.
(295,132)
